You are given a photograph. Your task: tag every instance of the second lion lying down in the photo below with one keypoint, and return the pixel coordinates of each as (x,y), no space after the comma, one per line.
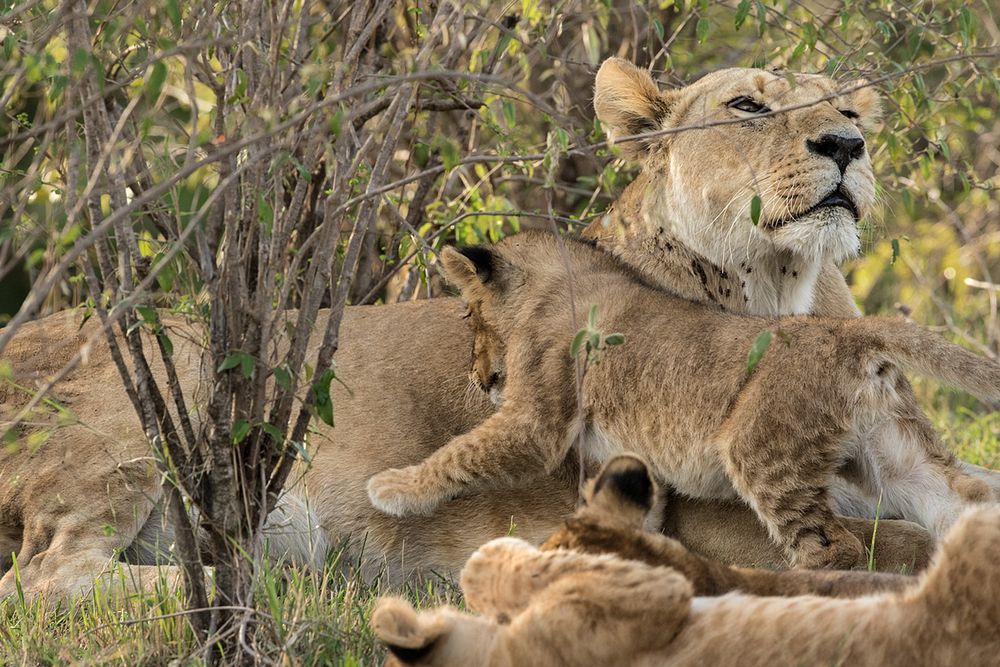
(774,437)
(678,609)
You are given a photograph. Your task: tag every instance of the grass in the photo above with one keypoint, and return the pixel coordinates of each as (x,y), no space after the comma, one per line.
(306,618)
(301,618)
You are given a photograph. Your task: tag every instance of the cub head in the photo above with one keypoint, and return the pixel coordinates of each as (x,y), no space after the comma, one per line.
(623,490)
(476,271)
(623,495)
(794,140)
(440,636)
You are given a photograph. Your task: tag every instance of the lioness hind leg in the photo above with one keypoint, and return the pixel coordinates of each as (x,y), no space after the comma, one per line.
(516,443)
(789,491)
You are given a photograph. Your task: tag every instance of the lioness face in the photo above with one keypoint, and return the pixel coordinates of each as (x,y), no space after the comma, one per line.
(794,141)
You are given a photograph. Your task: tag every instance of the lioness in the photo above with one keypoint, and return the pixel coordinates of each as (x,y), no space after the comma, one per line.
(623,496)
(90,490)
(567,608)
(775,437)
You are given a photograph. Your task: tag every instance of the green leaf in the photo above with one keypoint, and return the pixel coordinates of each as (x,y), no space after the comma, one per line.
(301,450)
(168,345)
(758,349)
(658,28)
(448,150)
(336,122)
(241,428)
(241,359)
(614,339)
(174,13)
(322,401)
(265,214)
(592,316)
(574,347)
(755,206)
(274,432)
(742,11)
(895,251)
(283,377)
(509,112)
(701,30)
(155,79)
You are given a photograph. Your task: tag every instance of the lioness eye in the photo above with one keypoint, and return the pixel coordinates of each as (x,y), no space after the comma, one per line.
(853,115)
(744,103)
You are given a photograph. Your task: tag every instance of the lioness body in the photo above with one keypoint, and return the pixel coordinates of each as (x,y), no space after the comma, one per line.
(774,437)
(567,608)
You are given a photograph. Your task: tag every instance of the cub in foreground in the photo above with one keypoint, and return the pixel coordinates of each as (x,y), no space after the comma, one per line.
(623,497)
(567,608)
(774,437)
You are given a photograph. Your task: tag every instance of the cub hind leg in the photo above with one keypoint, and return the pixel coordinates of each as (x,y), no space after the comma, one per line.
(784,471)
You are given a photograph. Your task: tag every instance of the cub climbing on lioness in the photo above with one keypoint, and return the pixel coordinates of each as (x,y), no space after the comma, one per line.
(773,437)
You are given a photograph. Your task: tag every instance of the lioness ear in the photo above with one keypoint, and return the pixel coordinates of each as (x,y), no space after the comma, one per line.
(628,102)
(408,636)
(868,103)
(468,266)
(624,488)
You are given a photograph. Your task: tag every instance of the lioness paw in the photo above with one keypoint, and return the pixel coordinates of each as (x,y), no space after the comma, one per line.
(400,491)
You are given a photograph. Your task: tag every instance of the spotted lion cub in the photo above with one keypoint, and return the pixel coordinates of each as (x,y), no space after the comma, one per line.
(567,608)
(679,393)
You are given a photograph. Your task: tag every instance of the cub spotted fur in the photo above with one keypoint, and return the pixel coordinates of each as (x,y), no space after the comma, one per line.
(774,437)
(623,497)
(567,608)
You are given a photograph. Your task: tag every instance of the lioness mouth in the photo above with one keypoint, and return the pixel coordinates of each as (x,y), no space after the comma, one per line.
(838,197)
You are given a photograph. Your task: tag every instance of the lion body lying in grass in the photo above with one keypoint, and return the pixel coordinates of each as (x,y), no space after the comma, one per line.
(568,608)
(775,436)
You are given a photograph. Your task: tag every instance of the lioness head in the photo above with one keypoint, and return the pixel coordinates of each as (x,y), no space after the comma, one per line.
(793,140)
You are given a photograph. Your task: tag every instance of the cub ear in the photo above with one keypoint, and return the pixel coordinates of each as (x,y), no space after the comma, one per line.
(624,488)
(408,636)
(628,102)
(467,266)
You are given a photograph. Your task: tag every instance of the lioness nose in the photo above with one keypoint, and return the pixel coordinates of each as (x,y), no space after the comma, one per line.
(839,149)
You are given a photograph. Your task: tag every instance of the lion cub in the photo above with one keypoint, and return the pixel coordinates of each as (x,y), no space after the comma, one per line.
(623,497)
(567,608)
(678,392)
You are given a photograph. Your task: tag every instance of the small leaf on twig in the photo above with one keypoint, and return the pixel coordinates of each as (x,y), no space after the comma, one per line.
(758,349)
(755,206)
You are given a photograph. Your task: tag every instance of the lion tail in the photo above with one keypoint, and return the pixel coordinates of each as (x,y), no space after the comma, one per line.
(928,354)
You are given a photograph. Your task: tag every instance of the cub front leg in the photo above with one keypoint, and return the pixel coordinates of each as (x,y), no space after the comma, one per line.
(516,443)
(786,479)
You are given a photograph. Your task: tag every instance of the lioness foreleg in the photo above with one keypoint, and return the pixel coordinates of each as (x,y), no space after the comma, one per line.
(518,442)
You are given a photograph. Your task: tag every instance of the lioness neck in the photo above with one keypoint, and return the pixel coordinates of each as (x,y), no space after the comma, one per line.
(776,284)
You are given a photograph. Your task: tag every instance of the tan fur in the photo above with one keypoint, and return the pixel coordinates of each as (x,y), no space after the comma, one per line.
(774,437)
(567,608)
(623,496)
(96,492)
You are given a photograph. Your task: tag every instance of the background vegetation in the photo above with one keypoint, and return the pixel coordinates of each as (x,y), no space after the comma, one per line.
(340,144)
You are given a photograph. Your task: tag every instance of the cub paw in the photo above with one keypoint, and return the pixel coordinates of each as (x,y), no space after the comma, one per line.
(400,491)
(830,548)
